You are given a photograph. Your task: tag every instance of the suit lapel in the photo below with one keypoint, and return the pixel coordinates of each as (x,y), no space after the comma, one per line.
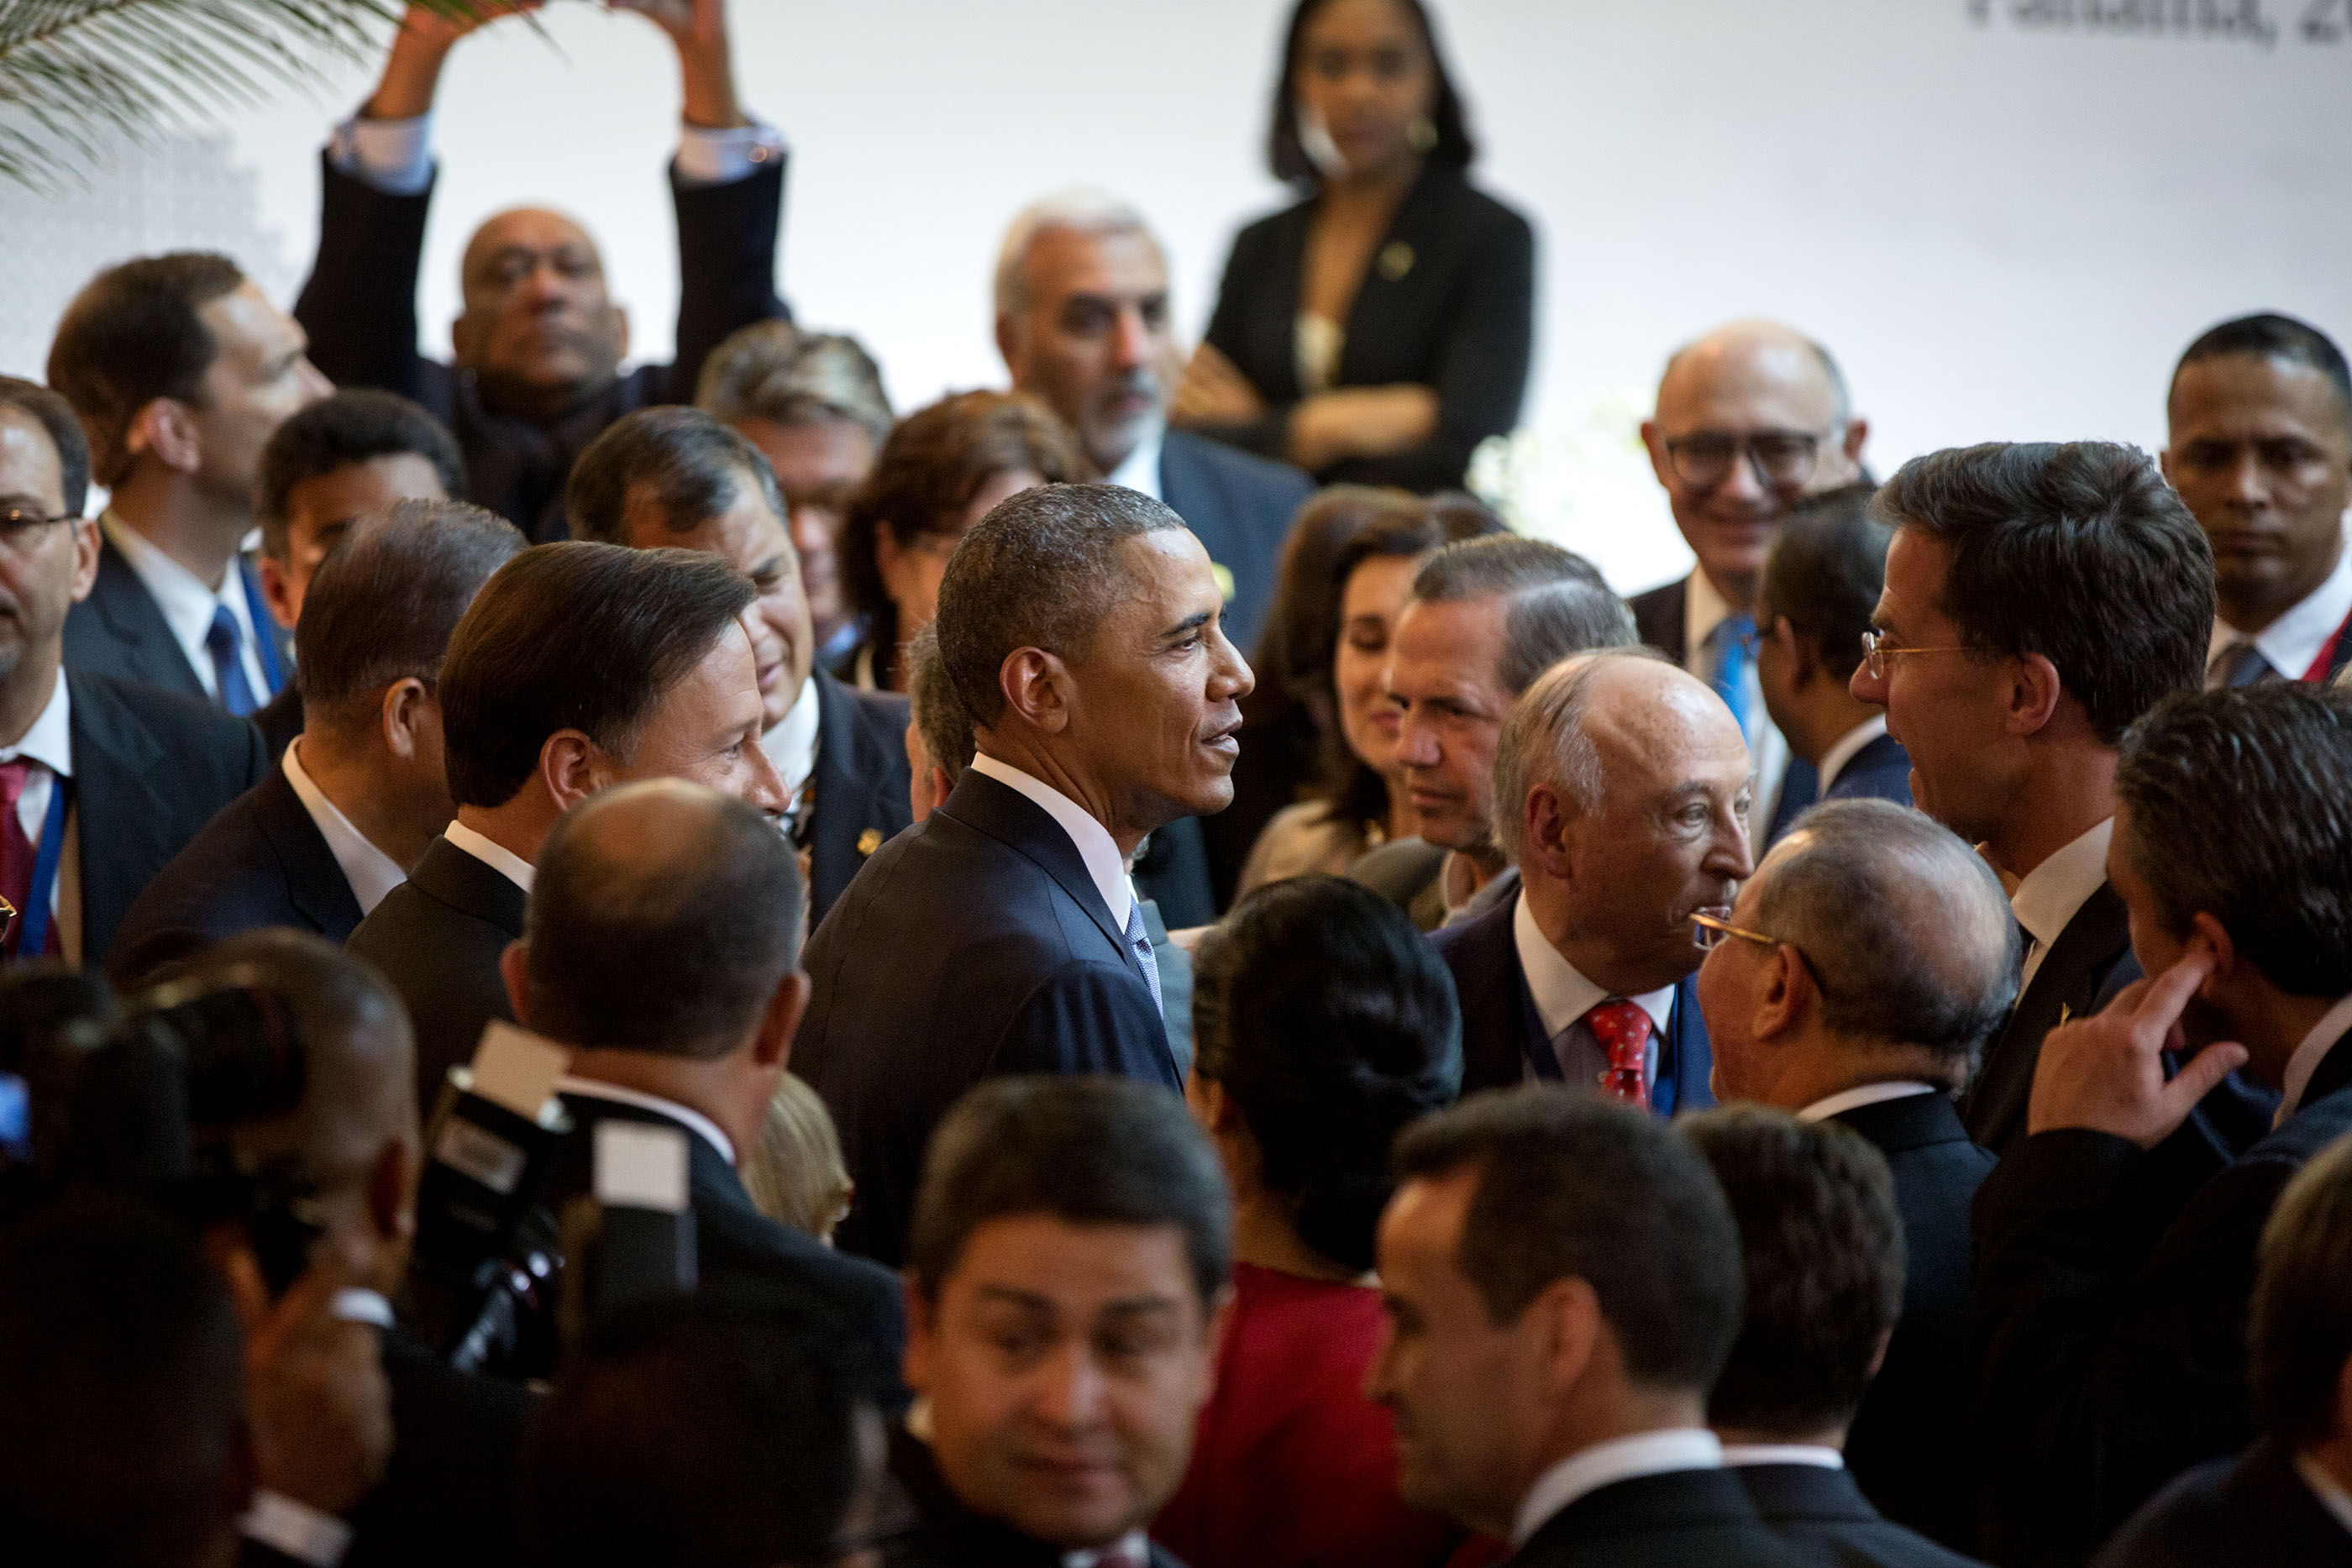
(314,881)
(117,773)
(134,619)
(1994,1108)
(1019,823)
(846,804)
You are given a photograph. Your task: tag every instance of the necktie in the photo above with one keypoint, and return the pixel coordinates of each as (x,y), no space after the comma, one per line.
(221,641)
(1731,659)
(2241,665)
(18,852)
(1141,944)
(1624,1030)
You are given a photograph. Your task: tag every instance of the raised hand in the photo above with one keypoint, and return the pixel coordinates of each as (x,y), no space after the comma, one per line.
(412,72)
(2106,1073)
(321,1409)
(699,29)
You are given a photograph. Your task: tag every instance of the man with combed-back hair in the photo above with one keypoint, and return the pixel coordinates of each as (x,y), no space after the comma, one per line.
(1857,975)
(2110,1297)
(1079,625)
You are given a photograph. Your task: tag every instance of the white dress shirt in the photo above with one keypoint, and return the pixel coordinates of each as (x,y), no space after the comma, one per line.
(2053,890)
(1846,747)
(1854,1099)
(1104,863)
(496,856)
(1563,997)
(1737,1455)
(791,744)
(2291,644)
(1605,1464)
(2307,1056)
(395,156)
(49,746)
(1703,610)
(686,1115)
(1140,469)
(188,606)
(370,871)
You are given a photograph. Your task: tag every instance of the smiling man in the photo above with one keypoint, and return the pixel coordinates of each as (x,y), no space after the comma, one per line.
(1079,624)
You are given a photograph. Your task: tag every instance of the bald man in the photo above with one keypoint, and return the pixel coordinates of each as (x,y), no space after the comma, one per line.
(539,344)
(1620,790)
(1751,418)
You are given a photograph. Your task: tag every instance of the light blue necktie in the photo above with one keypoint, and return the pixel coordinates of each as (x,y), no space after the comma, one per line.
(2242,665)
(1730,679)
(1138,939)
(221,641)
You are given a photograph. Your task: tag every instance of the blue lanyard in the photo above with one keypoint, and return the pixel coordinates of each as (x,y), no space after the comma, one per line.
(265,638)
(33,925)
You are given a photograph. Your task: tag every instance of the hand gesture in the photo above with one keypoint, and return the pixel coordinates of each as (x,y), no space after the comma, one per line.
(321,1408)
(706,69)
(2106,1073)
(412,72)
(691,24)
(424,26)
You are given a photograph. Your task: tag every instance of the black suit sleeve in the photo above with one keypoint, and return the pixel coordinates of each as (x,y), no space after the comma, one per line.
(1086,1018)
(359,304)
(727,237)
(1246,272)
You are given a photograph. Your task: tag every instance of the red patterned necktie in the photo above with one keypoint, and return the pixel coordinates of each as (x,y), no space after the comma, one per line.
(1624,1030)
(17,851)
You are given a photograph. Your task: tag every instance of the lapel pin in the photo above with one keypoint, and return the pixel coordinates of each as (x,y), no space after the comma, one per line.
(869,840)
(1396,260)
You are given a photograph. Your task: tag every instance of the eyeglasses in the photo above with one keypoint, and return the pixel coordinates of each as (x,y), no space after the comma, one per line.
(1709,927)
(1878,656)
(1781,459)
(21,526)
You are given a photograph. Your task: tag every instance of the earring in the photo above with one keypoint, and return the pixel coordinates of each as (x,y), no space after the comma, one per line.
(1422,133)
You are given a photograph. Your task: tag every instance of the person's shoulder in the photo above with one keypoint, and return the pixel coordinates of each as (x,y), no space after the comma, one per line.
(1261,229)
(1231,465)
(1470,941)
(2190,1522)
(1480,210)
(105,704)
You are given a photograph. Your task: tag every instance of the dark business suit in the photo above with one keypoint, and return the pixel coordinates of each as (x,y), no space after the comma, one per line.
(1447,302)
(1904,1446)
(150,769)
(947,1533)
(359,309)
(438,937)
(1822,1511)
(972,947)
(1662,616)
(1881,770)
(1503,1037)
(2253,1512)
(1239,506)
(1677,1520)
(120,629)
(447,1497)
(2112,1339)
(740,1251)
(861,785)
(262,861)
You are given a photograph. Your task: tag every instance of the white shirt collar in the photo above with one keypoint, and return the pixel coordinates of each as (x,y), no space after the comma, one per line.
(49,741)
(2052,892)
(1140,471)
(2307,1056)
(1737,1454)
(791,744)
(188,605)
(1605,1464)
(686,1115)
(1562,995)
(1847,747)
(498,857)
(2326,1489)
(370,871)
(1130,1548)
(2292,642)
(1094,846)
(1854,1099)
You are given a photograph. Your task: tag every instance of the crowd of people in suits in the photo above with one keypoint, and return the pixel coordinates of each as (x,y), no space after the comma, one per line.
(1841,1057)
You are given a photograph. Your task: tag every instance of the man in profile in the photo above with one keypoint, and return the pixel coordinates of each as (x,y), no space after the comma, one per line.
(1080,626)
(539,342)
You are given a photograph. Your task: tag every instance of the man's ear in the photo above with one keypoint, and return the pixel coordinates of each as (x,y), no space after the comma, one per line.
(86,547)
(620,330)
(1857,432)
(392,1190)
(1655,444)
(573,767)
(2033,693)
(1804,656)
(772,1046)
(2223,976)
(1036,686)
(1008,344)
(166,427)
(462,340)
(1551,829)
(514,969)
(922,1329)
(1570,1325)
(276,589)
(402,715)
(1788,994)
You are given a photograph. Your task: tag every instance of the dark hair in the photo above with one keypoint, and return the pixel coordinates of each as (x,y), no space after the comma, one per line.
(1041,570)
(574,635)
(56,416)
(382,606)
(2238,804)
(1556,602)
(1826,572)
(1330,1025)
(935,461)
(1287,157)
(700,1432)
(1087,1151)
(2270,336)
(686,463)
(940,718)
(719,906)
(124,1369)
(2299,1326)
(2081,553)
(134,335)
(1821,1246)
(773,370)
(1574,1187)
(336,433)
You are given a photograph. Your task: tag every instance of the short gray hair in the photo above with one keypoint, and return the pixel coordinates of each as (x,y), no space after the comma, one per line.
(1544,742)
(941,721)
(1907,931)
(1081,211)
(1556,601)
(773,370)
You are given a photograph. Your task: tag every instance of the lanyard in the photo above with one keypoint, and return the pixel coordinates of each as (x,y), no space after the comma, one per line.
(33,926)
(265,640)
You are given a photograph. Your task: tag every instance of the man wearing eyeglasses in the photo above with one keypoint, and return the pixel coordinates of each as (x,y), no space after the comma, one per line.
(1751,418)
(101,780)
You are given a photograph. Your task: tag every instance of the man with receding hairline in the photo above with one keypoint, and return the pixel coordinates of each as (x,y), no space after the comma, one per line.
(539,344)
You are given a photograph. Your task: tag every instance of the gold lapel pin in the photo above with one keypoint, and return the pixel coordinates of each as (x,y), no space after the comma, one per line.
(869,840)
(1396,260)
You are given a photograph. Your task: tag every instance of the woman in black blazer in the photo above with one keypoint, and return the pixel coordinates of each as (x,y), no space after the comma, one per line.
(1376,332)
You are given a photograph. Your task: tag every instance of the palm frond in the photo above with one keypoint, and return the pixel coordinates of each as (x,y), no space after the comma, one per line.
(74,74)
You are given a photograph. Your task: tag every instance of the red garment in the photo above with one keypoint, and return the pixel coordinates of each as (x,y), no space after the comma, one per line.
(1292,1466)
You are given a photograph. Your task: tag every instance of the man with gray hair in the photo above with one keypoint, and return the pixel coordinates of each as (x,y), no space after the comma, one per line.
(1079,626)
(1861,968)
(1620,790)
(813,403)
(1082,320)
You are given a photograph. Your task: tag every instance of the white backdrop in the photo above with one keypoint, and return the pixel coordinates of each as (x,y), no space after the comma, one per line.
(2006,218)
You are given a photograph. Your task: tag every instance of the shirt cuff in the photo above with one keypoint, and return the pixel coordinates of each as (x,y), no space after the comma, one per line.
(296,1530)
(395,156)
(721,157)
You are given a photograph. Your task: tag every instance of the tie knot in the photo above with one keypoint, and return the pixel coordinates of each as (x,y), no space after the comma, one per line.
(220,637)
(14,774)
(1622,1026)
